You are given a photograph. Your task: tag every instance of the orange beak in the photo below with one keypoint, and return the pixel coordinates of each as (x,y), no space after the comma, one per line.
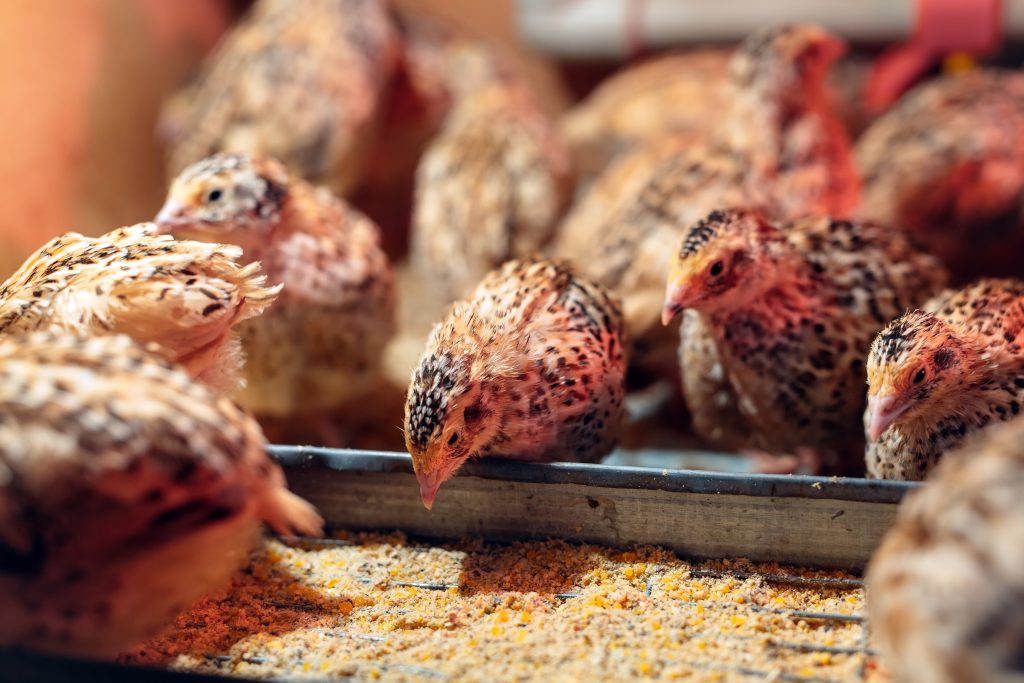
(430,482)
(679,295)
(170,214)
(882,412)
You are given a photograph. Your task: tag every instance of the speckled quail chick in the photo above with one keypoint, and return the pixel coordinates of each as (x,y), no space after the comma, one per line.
(186,297)
(530,366)
(299,81)
(938,374)
(126,492)
(780,146)
(318,348)
(792,307)
(490,187)
(945,589)
(947,163)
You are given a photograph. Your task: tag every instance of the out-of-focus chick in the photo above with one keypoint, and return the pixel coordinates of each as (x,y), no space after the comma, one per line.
(938,374)
(299,81)
(319,346)
(490,187)
(530,367)
(947,163)
(945,589)
(780,146)
(793,307)
(126,492)
(186,297)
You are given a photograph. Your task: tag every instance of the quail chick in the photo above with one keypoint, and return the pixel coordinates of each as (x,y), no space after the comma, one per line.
(319,347)
(941,373)
(530,366)
(780,147)
(947,163)
(490,187)
(126,492)
(793,307)
(298,81)
(946,587)
(186,297)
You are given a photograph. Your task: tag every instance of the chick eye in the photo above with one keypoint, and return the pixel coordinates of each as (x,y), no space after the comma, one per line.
(716,268)
(919,376)
(215,195)
(453,439)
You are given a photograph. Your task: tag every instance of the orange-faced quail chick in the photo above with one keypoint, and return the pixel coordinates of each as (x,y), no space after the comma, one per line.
(947,164)
(530,366)
(780,146)
(945,590)
(491,187)
(187,297)
(126,492)
(792,307)
(302,82)
(938,374)
(318,349)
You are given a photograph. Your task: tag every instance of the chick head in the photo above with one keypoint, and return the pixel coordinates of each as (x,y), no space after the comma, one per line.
(917,363)
(725,259)
(234,198)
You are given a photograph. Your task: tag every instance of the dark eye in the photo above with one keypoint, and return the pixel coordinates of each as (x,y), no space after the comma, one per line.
(453,439)
(215,195)
(919,376)
(716,268)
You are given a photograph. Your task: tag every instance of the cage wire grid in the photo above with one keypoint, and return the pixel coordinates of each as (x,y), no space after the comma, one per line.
(861,651)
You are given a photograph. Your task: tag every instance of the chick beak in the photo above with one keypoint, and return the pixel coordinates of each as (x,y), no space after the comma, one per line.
(171,212)
(882,412)
(677,296)
(430,482)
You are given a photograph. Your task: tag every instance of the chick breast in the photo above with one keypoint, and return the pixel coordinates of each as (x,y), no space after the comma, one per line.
(126,491)
(946,587)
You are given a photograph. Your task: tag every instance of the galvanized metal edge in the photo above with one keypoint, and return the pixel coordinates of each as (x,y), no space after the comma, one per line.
(604,476)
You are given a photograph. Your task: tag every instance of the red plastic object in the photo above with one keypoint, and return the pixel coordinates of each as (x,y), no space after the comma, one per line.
(943,27)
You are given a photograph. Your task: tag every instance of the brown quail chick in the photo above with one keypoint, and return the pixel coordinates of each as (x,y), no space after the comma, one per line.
(792,307)
(946,587)
(318,348)
(938,374)
(947,164)
(530,367)
(186,297)
(780,146)
(490,187)
(298,81)
(126,492)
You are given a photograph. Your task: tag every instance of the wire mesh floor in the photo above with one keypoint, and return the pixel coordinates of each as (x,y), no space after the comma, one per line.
(371,607)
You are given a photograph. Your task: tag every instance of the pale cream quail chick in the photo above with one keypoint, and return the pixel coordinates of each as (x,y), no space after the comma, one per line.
(792,307)
(187,297)
(491,186)
(126,492)
(945,589)
(947,164)
(302,82)
(318,349)
(939,374)
(531,366)
(780,146)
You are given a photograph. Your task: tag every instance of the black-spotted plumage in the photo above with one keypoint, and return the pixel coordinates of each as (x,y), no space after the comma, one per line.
(951,369)
(530,366)
(793,307)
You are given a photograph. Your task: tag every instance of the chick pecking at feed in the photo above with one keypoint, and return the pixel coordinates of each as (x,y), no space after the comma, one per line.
(792,307)
(945,589)
(126,492)
(780,145)
(947,164)
(299,81)
(490,187)
(531,366)
(187,297)
(938,374)
(319,347)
